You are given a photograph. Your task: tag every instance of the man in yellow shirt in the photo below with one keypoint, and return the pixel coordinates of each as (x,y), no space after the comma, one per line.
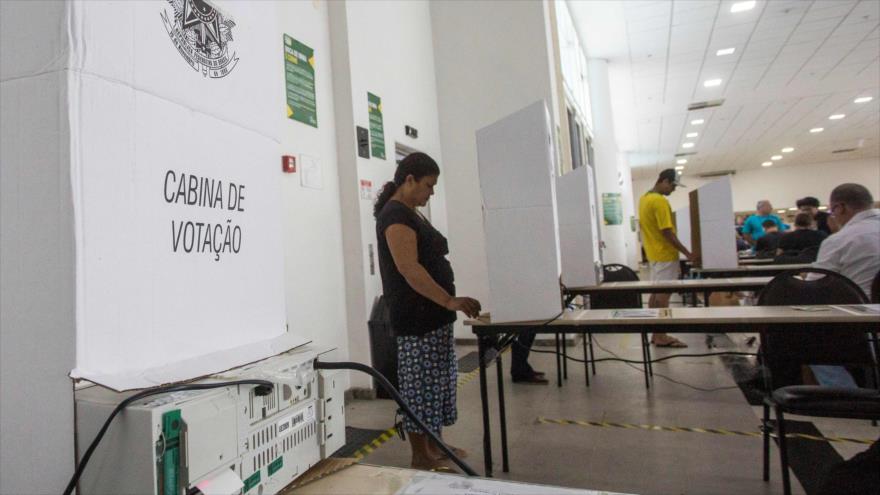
(661,244)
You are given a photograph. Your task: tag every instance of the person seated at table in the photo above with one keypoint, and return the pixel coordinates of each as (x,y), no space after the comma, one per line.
(802,237)
(810,206)
(854,251)
(767,244)
(753,227)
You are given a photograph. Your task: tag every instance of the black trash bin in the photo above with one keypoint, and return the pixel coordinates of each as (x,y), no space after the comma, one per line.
(383,346)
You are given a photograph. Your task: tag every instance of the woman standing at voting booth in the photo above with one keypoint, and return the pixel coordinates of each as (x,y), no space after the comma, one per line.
(419,286)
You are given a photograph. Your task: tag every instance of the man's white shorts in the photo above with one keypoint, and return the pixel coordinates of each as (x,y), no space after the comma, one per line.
(665,270)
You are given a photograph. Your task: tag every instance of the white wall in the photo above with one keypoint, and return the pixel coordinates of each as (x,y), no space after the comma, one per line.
(37,267)
(782,185)
(313,254)
(385,49)
(492,59)
(612,168)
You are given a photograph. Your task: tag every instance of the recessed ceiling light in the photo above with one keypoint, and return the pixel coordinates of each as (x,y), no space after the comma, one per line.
(724,51)
(863,99)
(776,157)
(814,130)
(742,6)
(687,145)
(837,116)
(767,164)
(787,150)
(680,167)
(697,122)
(693,134)
(681,161)
(711,83)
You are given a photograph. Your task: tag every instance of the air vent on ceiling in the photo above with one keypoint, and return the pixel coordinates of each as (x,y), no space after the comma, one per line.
(699,105)
(687,153)
(844,150)
(719,173)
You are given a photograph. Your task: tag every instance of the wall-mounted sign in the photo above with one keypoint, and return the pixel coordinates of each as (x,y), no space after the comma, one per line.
(612,208)
(299,74)
(363,142)
(366,189)
(377,129)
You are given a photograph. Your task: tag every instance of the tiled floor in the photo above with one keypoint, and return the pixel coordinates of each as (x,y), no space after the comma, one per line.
(614,459)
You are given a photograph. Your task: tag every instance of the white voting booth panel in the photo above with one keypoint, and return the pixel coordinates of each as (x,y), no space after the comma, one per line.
(578,229)
(175,107)
(711,217)
(683,226)
(519,215)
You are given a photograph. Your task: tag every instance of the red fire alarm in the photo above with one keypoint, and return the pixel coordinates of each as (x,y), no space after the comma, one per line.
(288,164)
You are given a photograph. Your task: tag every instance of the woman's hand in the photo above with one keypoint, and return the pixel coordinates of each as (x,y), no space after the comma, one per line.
(467,305)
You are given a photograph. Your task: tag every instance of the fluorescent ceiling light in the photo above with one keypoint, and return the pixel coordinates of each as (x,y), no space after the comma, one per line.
(768,164)
(792,209)
(680,167)
(742,6)
(711,83)
(780,211)
(814,130)
(725,51)
(788,149)
(837,116)
(863,99)
(823,207)
(697,122)
(776,157)
(692,134)
(681,161)
(687,145)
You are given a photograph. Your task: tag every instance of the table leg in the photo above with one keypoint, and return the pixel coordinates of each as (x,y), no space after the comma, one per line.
(564,358)
(586,361)
(482,344)
(558,363)
(505,465)
(706,295)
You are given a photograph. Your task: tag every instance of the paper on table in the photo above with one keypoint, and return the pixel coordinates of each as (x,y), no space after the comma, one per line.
(861,309)
(434,483)
(636,313)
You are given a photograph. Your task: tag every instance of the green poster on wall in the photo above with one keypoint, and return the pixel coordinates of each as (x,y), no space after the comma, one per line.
(299,74)
(377,129)
(612,208)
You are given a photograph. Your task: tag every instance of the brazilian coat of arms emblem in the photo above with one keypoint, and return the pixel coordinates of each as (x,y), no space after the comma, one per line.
(202,35)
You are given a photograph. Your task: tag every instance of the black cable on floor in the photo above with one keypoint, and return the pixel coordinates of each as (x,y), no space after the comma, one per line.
(264,387)
(323,365)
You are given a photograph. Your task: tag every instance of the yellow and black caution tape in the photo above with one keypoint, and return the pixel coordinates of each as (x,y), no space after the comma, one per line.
(686,429)
(375,443)
(463,379)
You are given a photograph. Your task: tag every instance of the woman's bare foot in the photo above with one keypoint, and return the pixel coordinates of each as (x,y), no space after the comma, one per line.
(439,454)
(442,465)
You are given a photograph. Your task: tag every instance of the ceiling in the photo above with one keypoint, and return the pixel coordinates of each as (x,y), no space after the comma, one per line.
(795,63)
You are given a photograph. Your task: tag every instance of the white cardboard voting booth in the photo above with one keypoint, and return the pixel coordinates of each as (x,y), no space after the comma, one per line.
(174,109)
(713,238)
(683,226)
(578,229)
(519,215)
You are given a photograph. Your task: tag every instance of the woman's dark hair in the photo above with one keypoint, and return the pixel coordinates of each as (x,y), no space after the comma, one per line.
(807,201)
(416,164)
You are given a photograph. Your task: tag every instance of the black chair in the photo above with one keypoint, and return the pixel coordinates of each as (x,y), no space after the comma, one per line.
(784,354)
(875,289)
(806,255)
(618,273)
